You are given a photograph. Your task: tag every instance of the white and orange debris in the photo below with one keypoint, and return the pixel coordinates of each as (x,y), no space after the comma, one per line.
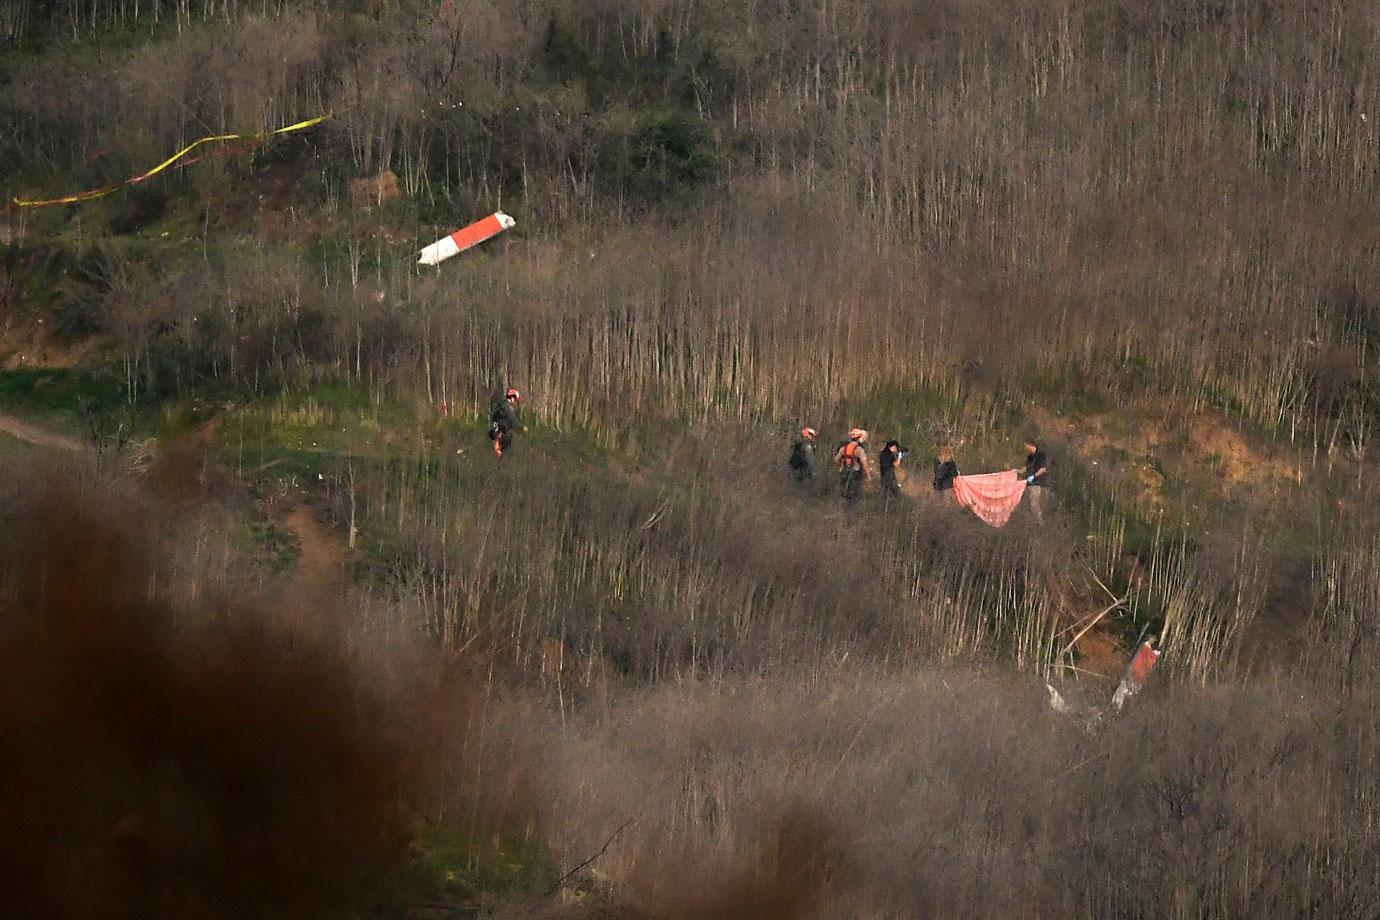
(1142,663)
(465,238)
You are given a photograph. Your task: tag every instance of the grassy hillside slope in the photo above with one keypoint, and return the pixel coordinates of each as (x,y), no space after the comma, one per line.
(1143,233)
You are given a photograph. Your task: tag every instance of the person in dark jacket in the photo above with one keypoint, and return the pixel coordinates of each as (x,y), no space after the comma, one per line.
(945,470)
(1036,472)
(802,462)
(504,420)
(888,462)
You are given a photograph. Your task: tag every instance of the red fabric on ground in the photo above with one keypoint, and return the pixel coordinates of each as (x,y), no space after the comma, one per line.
(991,496)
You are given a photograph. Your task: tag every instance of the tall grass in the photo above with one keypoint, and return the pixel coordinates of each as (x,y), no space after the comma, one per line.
(1197,599)
(946,792)
(1344,630)
(709,570)
(876,786)
(1172,195)
(734,218)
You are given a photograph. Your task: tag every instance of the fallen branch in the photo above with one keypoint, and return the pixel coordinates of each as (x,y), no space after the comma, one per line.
(1081,632)
(1099,581)
(266,466)
(565,879)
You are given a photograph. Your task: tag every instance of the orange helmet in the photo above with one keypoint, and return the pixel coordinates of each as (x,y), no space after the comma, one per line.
(859,435)
(808,433)
(514,395)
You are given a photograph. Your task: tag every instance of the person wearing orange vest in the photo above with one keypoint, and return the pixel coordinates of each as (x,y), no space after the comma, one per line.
(802,462)
(851,461)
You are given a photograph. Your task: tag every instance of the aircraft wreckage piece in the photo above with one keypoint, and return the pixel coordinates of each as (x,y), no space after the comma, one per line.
(465,238)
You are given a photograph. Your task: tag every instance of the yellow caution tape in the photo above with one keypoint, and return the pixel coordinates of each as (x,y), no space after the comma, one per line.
(134,180)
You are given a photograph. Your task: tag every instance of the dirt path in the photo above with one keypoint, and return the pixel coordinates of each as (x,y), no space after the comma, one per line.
(37,435)
(321,554)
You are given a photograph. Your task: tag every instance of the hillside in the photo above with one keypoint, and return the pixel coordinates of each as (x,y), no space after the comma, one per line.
(1140,233)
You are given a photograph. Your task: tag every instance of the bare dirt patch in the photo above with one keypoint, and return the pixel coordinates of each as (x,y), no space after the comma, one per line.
(321,555)
(32,344)
(1140,448)
(1212,441)
(37,435)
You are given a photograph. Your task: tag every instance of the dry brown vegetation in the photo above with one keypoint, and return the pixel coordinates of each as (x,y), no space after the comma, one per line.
(1176,194)
(1145,229)
(184,742)
(949,793)
(160,723)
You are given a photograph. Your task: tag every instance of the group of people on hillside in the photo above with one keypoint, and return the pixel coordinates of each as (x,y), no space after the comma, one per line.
(854,469)
(850,458)
(851,461)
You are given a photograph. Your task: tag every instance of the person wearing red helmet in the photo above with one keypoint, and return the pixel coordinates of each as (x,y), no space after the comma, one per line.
(851,460)
(504,420)
(802,460)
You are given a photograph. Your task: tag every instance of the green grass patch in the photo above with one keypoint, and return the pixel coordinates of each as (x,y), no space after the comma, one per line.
(910,414)
(12,448)
(268,544)
(1075,394)
(60,395)
(451,864)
